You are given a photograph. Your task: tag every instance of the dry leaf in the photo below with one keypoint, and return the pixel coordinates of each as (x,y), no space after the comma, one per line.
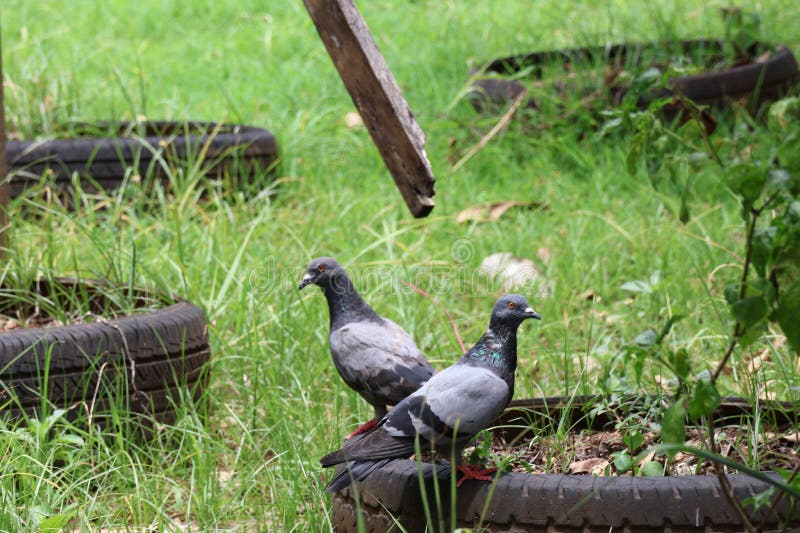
(772,436)
(493,211)
(543,254)
(594,465)
(514,273)
(8,325)
(588,295)
(352,120)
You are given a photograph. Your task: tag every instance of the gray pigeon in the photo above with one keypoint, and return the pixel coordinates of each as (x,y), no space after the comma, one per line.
(450,409)
(374,356)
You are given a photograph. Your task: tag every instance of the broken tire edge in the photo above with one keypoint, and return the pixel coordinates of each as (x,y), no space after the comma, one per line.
(143,363)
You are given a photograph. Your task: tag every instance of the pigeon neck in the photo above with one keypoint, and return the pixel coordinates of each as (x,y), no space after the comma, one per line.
(344,302)
(497,349)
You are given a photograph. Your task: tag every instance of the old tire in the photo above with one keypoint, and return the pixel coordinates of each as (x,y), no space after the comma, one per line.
(104,163)
(763,81)
(548,502)
(144,363)
(553,502)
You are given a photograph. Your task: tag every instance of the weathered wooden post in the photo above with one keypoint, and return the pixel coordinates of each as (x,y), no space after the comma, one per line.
(377,97)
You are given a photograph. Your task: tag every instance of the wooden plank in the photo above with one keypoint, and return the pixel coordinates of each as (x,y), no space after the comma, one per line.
(3,173)
(377,97)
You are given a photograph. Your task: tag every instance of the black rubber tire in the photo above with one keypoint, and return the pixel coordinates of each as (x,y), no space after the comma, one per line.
(549,502)
(237,151)
(767,81)
(553,502)
(142,362)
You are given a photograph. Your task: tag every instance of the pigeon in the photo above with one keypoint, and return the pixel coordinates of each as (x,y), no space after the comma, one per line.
(374,356)
(450,409)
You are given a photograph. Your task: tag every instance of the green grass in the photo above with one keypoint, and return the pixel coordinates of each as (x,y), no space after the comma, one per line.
(276,402)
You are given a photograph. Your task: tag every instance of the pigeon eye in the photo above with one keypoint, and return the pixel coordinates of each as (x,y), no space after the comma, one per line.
(512,305)
(321,268)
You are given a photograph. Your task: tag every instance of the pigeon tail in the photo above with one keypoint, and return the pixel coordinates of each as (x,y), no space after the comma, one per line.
(353,471)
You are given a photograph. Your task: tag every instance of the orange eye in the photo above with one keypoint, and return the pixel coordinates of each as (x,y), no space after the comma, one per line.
(321,268)
(512,305)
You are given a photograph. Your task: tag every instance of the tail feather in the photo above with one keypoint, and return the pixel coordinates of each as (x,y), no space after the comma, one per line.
(372,446)
(353,471)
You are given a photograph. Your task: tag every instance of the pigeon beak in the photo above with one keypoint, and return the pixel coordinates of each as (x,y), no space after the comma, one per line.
(307,280)
(530,313)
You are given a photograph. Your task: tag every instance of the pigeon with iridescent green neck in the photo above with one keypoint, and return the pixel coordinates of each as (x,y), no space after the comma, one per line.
(373,355)
(450,409)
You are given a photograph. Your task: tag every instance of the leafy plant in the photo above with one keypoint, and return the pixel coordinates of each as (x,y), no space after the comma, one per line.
(758,164)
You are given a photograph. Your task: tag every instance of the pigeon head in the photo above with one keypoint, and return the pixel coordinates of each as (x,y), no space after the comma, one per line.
(510,310)
(320,271)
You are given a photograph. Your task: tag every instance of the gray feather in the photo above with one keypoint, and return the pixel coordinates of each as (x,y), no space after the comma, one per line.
(378,360)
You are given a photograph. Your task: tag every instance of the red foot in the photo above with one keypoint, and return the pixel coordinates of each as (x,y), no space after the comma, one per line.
(475,472)
(363,428)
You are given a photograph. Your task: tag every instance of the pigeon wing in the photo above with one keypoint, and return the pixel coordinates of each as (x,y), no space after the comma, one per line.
(379,360)
(454,404)
(459,401)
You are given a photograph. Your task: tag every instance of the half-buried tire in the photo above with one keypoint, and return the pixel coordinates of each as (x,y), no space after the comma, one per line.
(391,499)
(145,363)
(140,150)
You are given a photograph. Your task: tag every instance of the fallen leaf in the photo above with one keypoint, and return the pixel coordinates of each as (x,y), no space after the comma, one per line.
(493,211)
(648,457)
(514,273)
(593,465)
(756,360)
(543,254)
(8,325)
(352,120)
(588,295)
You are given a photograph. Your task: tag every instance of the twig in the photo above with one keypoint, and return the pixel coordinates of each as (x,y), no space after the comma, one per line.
(502,123)
(742,290)
(132,363)
(727,491)
(94,394)
(443,308)
(771,510)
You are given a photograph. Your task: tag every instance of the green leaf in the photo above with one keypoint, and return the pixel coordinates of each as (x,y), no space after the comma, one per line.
(69,438)
(763,239)
(646,338)
(638,286)
(749,311)
(651,469)
(622,461)
(635,154)
(633,439)
(679,360)
(779,179)
(783,113)
(747,181)
(787,315)
(732,294)
(56,522)
(673,426)
(752,333)
(704,400)
(668,326)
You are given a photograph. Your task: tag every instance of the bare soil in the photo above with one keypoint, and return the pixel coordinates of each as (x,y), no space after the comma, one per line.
(590,452)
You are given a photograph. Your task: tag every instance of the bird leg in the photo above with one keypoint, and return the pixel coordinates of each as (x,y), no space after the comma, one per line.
(475,472)
(363,428)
